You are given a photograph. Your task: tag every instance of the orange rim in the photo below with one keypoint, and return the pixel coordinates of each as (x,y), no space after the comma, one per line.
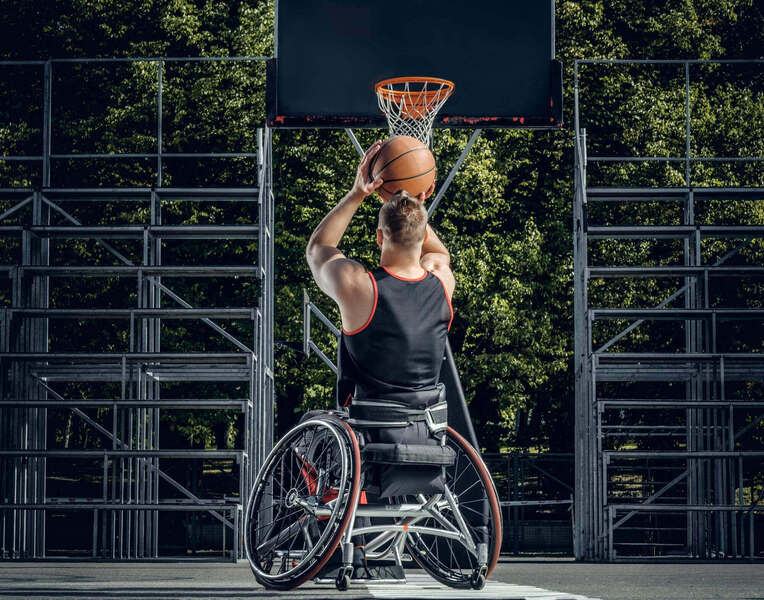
(422,96)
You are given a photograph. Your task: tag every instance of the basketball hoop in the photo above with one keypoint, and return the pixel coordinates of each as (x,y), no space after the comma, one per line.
(411,103)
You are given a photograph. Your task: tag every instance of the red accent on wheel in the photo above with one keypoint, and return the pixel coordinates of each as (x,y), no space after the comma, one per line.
(309,474)
(355,491)
(490,490)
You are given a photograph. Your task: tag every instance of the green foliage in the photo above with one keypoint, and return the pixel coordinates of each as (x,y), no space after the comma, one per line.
(506,219)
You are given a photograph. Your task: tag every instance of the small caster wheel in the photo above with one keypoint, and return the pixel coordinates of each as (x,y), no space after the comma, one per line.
(343,579)
(477,580)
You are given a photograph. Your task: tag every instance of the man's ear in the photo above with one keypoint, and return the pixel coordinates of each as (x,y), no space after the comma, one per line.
(380,237)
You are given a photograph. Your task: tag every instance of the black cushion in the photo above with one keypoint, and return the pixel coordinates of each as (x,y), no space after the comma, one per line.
(409,454)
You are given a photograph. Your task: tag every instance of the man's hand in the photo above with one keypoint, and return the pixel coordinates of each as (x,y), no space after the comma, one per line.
(364,184)
(424,195)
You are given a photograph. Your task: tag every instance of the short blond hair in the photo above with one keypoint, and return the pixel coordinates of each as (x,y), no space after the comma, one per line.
(403,219)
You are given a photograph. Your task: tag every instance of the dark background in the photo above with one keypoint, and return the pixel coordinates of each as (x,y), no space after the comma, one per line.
(332,52)
(506,219)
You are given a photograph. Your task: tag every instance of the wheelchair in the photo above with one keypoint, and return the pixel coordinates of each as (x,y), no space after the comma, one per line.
(321,489)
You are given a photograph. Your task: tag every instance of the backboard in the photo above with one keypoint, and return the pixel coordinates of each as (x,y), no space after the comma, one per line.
(499,54)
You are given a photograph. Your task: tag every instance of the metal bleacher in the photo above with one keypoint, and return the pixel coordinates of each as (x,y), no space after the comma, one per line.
(120,358)
(668,362)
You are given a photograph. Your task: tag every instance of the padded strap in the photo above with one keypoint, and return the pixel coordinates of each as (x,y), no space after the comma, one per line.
(381,413)
(409,454)
(416,399)
(384,411)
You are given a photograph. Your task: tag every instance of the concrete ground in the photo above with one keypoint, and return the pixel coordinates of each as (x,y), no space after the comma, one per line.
(641,581)
(544,579)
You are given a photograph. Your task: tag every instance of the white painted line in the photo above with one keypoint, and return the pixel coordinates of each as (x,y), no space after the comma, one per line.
(423,586)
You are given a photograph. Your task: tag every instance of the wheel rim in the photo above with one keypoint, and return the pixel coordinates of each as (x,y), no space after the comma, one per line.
(283,540)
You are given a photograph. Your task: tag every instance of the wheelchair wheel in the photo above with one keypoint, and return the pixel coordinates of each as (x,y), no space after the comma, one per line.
(301,503)
(448,560)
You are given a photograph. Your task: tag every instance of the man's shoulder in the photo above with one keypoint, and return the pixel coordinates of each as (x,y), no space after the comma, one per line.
(352,275)
(443,272)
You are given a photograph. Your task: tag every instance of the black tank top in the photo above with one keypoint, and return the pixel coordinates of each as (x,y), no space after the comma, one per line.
(400,347)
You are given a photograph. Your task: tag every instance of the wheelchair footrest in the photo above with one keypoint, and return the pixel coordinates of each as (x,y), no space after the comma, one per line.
(409,454)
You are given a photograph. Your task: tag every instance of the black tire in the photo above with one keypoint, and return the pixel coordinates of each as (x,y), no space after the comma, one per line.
(448,560)
(342,581)
(477,581)
(317,461)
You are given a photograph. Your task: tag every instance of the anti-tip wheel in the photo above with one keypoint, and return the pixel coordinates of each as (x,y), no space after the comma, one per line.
(477,581)
(343,579)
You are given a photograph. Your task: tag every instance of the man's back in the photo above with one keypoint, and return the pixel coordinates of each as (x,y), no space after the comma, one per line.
(400,347)
(395,318)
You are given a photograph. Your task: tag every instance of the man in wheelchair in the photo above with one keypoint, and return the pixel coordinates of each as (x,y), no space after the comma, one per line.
(383,476)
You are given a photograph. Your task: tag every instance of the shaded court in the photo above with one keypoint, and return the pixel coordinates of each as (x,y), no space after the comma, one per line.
(544,579)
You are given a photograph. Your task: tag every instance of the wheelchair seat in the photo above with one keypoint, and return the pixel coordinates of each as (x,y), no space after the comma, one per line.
(401,441)
(408,454)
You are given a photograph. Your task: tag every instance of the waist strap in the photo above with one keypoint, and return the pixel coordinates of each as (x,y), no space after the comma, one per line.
(417,399)
(383,413)
(384,410)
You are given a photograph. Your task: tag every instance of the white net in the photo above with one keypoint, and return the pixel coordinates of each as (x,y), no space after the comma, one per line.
(411,103)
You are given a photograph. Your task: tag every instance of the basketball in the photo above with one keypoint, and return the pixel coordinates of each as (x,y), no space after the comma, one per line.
(403,162)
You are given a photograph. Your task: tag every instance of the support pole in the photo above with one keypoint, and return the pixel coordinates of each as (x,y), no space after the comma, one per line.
(160,67)
(355,141)
(454,170)
(46,124)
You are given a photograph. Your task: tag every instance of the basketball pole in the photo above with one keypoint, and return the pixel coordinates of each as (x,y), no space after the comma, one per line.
(453,172)
(355,141)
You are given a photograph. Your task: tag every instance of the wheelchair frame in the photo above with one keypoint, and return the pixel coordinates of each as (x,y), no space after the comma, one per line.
(390,539)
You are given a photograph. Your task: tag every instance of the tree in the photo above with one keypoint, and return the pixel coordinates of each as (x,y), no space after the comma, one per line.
(506,218)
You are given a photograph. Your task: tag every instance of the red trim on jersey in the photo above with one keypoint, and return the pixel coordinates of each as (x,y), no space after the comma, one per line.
(389,272)
(450,307)
(373,309)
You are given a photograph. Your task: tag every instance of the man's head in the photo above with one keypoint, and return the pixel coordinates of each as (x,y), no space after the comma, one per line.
(402,222)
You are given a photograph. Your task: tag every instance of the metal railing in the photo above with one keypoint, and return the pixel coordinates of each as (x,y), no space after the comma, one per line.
(46,157)
(688,159)
(536,491)
(662,461)
(138,477)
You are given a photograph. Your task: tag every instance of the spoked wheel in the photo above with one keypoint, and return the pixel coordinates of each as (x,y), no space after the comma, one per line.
(473,494)
(314,469)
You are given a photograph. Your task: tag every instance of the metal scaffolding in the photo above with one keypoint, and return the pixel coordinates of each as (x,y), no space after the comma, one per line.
(668,397)
(536,489)
(136,486)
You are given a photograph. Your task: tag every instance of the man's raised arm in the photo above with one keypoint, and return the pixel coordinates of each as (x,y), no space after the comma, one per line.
(434,253)
(436,259)
(333,272)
